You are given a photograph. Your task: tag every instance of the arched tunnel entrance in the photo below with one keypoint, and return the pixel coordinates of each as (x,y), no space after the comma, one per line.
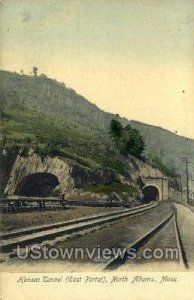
(150,193)
(38,185)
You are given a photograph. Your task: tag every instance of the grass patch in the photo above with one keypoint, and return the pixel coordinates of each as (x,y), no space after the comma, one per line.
(118,188)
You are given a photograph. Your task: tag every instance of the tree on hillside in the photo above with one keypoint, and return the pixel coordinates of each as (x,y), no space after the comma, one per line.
(115,129)
(43,75)
(127,139)
(35,71)
(133,142)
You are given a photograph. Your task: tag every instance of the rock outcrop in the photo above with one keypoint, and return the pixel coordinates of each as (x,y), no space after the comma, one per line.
(69,174)
(63,175)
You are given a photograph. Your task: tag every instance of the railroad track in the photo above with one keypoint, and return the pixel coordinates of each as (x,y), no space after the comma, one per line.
(10,240)
(141,242)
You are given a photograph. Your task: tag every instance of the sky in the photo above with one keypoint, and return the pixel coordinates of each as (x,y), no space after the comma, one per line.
(131,57)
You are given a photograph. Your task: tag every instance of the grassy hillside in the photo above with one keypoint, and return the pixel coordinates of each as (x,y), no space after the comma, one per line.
(45,114)
(170,147)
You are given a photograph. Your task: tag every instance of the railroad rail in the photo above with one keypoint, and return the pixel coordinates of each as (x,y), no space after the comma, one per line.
(140,243)
(10,240)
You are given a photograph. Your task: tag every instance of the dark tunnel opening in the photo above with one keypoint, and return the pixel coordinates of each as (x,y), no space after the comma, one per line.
(38,185)
(150,193)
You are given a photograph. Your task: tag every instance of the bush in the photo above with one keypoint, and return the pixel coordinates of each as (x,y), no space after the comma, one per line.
(116,129)
(127,139)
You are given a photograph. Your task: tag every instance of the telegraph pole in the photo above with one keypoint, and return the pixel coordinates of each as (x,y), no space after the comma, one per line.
(179,184)
(162,188)
(185,159)
(181,187)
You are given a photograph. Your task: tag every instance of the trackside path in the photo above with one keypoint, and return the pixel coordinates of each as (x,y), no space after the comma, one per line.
(185,218)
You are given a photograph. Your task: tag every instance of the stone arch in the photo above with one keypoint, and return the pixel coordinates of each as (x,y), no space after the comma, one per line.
(151,192)
(37,185)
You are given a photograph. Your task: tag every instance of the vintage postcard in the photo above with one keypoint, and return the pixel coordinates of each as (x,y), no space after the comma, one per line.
(96,149)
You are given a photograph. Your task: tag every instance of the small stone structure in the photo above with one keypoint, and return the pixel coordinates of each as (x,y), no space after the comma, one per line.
(159,183)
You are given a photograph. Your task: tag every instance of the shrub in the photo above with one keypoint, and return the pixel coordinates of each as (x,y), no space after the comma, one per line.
(127,139)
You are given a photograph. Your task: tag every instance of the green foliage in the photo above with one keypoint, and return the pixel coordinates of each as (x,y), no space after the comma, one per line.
(43,114)
(167,169)
(127,139)
(116,129)
(133,142)
(118,188)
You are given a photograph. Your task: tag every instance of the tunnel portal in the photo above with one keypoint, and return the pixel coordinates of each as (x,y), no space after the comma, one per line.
(150,193)
(38,185)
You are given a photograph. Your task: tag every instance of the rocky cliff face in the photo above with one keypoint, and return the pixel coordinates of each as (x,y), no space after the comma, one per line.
(28,171)
(138,168)
(6,163)
(32,164)
(68,174)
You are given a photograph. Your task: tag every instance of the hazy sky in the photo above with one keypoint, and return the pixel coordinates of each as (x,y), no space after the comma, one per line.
(132,57)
